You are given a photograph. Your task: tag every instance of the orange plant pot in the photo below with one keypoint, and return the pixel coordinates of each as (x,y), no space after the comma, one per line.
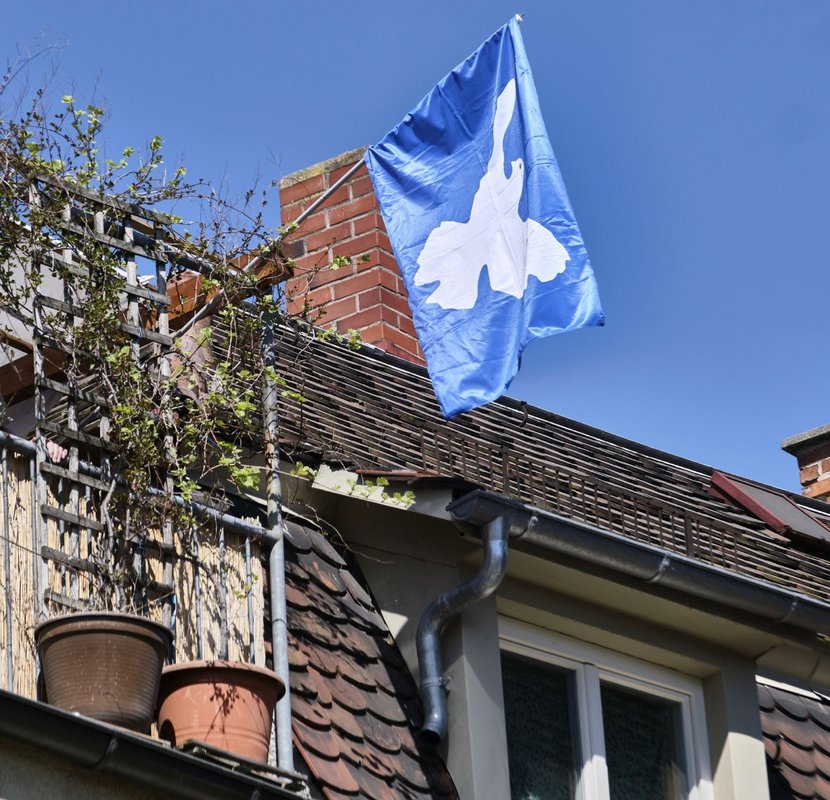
(224,704)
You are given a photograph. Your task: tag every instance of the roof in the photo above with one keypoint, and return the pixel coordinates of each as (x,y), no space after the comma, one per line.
(355,707)
(796,726)
(370,410)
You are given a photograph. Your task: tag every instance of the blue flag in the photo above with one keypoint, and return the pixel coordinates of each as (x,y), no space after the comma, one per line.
(481,226)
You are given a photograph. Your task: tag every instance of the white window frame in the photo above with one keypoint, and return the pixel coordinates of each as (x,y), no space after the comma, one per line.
(592,664)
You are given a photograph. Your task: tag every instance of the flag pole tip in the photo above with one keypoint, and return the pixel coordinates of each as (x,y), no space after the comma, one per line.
(520,17)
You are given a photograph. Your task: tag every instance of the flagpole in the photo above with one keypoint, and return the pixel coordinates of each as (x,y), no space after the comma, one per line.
(214,302)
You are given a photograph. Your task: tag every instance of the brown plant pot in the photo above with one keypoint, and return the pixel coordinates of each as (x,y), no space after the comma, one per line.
(103,665)
(225,704)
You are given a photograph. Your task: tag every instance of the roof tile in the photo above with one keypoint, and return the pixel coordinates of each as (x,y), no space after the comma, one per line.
(353,697)
(348,695)
(327,575)
(310,711)
(345,721)
(334,774)
(297,537)
(321,686)
(797,761)
(357,591)
(324,660)
(373,786)
(355,673)
(382,736)
(321,742)
(323,548)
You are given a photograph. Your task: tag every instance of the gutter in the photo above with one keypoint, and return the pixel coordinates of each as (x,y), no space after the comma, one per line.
(650,564)
(127,756)
(501,519)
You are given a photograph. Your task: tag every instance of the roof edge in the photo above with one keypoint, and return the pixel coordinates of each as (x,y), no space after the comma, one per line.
(645,562)
(342,160)
(94,745)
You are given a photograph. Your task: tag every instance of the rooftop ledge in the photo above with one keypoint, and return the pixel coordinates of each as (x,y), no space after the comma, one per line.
(800,441)
(137,759)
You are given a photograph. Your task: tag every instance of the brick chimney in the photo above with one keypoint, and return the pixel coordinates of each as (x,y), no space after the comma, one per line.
(367,293)
(812,449)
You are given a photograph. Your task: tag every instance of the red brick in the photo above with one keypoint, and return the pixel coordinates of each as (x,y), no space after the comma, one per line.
(819,489)
(407,326)
(385,259)
(352,209)
(354,284)
(372,297)
(299,292)
(340,196)
(824,466)
(290,212)
(369,222)
(359,245)
(329,237)
(315,222)
(340,309)
(301,190)
(373,333)
(401,352)
(361,186)
(390,279)
(310,262)
(362,319)
(326,275)
(406,343)
(322,294)
(809,474)
(396,301)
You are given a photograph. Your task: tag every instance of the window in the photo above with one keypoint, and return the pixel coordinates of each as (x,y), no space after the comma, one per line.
(583,723)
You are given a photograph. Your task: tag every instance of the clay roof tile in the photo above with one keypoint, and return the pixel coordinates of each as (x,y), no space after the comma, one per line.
(320,742)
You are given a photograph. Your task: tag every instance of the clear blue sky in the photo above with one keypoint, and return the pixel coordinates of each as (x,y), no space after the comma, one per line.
(693,138)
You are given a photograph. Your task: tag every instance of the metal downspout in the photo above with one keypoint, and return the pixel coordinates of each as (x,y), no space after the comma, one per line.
(440,611)
(276,560)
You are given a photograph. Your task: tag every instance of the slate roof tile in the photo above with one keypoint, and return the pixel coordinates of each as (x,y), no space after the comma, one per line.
(354,703)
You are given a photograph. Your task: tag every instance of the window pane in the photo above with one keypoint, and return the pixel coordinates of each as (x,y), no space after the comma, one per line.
(541,731)
(642,745)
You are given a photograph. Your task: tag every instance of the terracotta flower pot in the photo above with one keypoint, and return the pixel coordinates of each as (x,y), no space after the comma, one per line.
(105,666)
(225,704)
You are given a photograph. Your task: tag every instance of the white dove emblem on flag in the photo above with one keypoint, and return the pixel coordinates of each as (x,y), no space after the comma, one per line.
(495,236)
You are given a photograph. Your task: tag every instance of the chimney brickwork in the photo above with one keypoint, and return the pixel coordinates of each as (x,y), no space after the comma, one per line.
(366,293)
(812,450)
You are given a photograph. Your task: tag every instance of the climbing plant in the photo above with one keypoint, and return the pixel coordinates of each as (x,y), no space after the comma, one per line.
(179,418)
